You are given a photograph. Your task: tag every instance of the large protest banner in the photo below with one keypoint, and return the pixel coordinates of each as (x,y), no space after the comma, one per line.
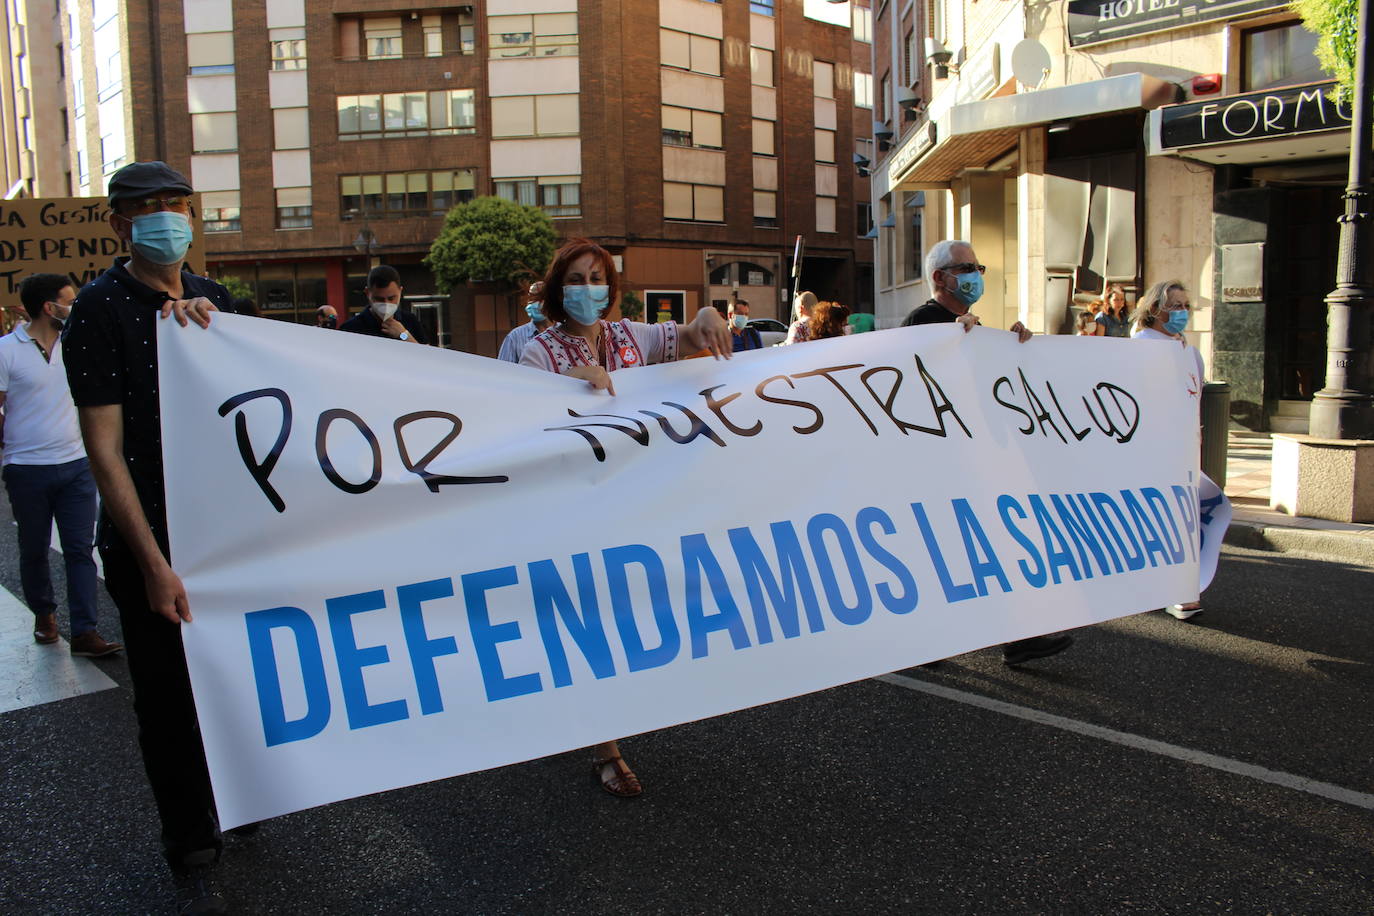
(63,235)
(406,563)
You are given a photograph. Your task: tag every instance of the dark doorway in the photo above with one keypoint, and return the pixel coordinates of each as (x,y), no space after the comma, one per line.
(1301,268)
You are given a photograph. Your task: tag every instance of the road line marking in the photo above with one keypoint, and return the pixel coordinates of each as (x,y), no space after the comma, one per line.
(34,674)
(1164,749)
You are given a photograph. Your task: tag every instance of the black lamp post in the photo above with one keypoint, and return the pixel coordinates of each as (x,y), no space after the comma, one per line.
(1344,408)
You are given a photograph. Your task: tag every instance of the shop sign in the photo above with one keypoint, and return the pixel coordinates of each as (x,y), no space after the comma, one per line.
(914,148)
(979,76)
(1254,116)
(1093,21)
(1242,272)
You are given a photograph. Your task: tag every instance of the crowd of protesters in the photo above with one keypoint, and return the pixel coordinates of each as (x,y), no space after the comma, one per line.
(79,387)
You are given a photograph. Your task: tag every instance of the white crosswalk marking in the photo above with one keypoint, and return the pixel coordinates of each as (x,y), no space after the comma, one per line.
(34,674)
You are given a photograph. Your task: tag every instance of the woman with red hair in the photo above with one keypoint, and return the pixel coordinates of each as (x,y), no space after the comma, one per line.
(580,286)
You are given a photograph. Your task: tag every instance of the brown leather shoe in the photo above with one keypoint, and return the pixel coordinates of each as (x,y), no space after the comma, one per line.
(92,645)
(45,629)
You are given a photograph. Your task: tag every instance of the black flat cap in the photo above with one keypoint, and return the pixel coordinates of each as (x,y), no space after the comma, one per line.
(139,179)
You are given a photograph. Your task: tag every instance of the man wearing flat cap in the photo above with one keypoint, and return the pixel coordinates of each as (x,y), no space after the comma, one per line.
(111,359)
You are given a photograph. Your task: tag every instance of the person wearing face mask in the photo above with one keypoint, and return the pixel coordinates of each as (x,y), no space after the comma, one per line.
(384,316)
(514,343)
(580,286)
(326,317)
(46,472)
(956,282)
(110,350)
(1162,315)
(742,337)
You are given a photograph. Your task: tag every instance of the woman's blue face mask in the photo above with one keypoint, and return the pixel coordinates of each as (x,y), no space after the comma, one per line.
(584,304)
(1177,321)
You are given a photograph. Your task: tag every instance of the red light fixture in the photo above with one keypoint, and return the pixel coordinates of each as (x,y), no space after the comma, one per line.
(1206,83)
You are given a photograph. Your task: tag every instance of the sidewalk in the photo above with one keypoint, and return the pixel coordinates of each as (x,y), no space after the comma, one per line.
(1257,526)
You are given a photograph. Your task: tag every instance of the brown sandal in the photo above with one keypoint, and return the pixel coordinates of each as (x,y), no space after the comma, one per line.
(622,783)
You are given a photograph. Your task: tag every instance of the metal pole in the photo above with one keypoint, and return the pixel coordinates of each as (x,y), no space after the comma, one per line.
(1344,408)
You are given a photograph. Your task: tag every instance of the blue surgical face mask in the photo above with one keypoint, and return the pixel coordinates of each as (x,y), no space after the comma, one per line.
(968,288)
(162,237)
(535,312)
(741,321)
(584,304)
(1177,321)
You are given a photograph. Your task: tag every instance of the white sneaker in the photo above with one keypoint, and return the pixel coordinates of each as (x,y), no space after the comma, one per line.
(1179,612)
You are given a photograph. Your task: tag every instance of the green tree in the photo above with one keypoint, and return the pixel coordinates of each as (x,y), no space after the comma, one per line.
(1333,21)
(631,306)
(238,288)
(491,238)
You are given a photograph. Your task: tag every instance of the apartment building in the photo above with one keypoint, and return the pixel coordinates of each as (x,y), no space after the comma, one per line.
(694,139)
(33,116)
(1115,143)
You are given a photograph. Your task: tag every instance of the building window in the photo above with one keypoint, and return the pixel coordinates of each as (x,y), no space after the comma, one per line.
(467,31)
(884,98)
(825,145)
(864,147)
(210,53)
(689,127)
(699,202)
(402,194)
(214,133)
(407,114)
(288,49)
(766,209)
(221,211)
(825,214)
(863,90)
(382,38)
(913,204)
(538,35)
(556,196)
(1280,55)
(290,128)
(432,27)
(761,66)
(293,208)
(763,138)
(911,67)
(863,24)
(864,218)
(762,7)
(535,116)
(682,51)
(823,79)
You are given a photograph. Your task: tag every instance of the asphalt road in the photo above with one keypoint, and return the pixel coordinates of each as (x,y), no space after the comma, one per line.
(871,798)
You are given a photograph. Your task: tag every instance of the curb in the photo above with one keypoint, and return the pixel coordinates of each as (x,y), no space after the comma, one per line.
(1322,545)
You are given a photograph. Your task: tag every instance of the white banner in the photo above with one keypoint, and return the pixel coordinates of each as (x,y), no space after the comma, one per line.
(407,563)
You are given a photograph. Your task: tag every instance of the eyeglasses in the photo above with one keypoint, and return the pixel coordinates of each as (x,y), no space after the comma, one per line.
(964,268)
(177,204)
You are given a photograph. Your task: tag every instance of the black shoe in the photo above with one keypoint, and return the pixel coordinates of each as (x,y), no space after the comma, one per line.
(1023,650)
(196,891)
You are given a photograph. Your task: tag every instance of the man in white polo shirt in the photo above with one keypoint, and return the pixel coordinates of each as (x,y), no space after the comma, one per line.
(45,468)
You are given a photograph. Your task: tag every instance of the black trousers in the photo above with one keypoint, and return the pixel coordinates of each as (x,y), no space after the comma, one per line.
(168,731)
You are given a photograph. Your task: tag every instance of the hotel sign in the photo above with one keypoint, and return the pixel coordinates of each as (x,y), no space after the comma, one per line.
(1253,116)
(1093,21)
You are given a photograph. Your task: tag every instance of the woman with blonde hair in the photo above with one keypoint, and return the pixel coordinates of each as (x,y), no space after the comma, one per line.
(800,331)
(1162,315)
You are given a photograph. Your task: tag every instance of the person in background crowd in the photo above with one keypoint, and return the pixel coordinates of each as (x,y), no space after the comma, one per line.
(800,329)
(46,471)
(110,347)
(515,341)
(742,337)
(1162,314)
(956,283)
(326,317)
(1085,325)
(828,319)
(384,316)
(579,288)
(1113,319)
(861,322)
(246,307)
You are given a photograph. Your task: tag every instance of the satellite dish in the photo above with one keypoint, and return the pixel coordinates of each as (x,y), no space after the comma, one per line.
(1030,63)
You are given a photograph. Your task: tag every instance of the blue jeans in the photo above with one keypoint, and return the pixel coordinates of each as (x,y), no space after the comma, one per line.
(40,493)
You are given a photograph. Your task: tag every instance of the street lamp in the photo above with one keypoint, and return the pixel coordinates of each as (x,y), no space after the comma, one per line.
(1344,408)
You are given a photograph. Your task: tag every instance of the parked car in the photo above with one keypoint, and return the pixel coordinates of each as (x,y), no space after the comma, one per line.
(772,331)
